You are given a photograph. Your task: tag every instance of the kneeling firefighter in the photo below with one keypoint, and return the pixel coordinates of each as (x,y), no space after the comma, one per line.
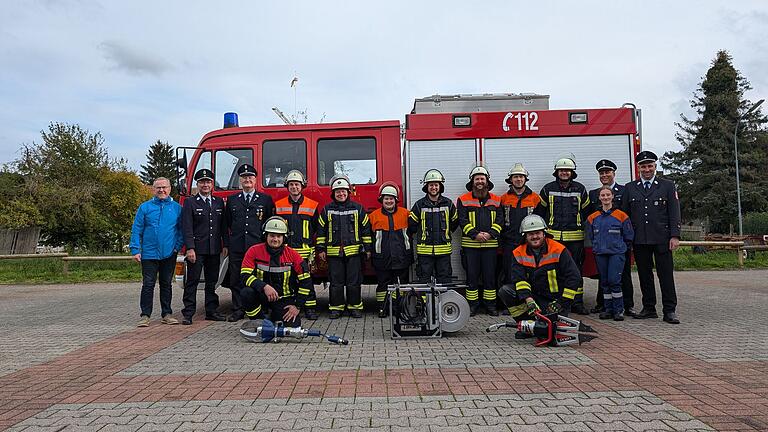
(392,254)
(275,276)
(543,273)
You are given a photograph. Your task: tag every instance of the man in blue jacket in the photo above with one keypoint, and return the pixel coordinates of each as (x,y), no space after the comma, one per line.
(155,239)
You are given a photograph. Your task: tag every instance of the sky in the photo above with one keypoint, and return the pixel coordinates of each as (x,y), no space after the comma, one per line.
(140,71)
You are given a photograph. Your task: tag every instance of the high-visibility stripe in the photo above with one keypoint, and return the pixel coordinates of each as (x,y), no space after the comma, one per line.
(303,276)
(358,306)
(251,279)
(254,312)
(522,285)
(321,221)
(330,230)
(447,224)
(246,270)
(338,308)
(367,239)
(414,217)
(516,311)
(381,296)
(423,249)
(552,278)
(305,229)
(569,293)
(567,235)
(423,225)
(472,295)
(259,274)
(354,221)
(284,210)
(320,241)
(578,213)
(468,242)
(617,295)
(551,197)
(489,294)
(273,269)
(377,244)
(303,291)
(286,287)
(406,239)
(310,303)
(304,251)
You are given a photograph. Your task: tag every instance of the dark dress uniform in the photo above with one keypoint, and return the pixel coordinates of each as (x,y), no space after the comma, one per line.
(627,290)
(655,214)
(202,221)
(244,219)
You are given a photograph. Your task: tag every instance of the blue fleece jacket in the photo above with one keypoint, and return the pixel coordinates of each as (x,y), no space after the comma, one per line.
(610,231)
(156,232)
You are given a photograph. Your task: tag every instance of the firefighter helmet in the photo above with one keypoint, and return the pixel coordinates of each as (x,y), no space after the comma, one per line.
(297,176)
(389,189)
(275,225)
(517,169)
(479,170)
(565,163)
(532,223)
(433,175)
(340,182)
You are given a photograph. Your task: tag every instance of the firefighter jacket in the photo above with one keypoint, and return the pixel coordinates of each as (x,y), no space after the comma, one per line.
(514,209)
(343,229)
(244,220)
(553,275)
(594,197)
(282,268)
(203,224)
(302,222)
(477,216)
(391,245)
(156,231)
(609,231)
(655,212)
(566,210)
(431,223)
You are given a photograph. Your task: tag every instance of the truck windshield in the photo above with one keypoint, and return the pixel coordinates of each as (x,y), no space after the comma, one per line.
(279,157)
(352,157)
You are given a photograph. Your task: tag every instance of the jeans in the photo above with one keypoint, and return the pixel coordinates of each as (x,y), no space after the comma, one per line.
(150,269)
(611,267)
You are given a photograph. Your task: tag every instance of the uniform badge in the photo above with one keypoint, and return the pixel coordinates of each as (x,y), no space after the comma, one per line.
(260,213)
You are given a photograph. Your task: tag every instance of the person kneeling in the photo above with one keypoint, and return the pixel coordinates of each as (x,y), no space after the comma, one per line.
(543,274)
(275,276)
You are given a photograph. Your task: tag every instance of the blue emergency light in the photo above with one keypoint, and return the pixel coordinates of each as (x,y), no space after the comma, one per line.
(230,120)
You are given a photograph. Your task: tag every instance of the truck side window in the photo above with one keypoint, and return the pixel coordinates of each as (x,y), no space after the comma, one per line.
(227,163)
(353,157)
(204,161)
(280,156)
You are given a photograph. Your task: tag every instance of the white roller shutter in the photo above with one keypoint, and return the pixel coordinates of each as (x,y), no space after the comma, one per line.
(539,156)
(454,158)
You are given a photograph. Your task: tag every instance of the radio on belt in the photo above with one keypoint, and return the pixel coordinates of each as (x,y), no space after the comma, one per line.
(426,310)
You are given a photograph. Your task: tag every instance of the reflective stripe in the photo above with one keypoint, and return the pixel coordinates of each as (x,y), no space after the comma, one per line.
(578,213)
(489,294)
(551,198)
(423,226)
(307,210)
(468,242)
(567,235)
(276,269)
(330,230)
(381,296)
(341,213)
(569,293)
(254,312)
(435,209)
(284,210)
(565,194)
(525,260)
(251,279)
(354,221)
(472,295)
(406,239)
(358,306)
(447,224)
(423,249)
(310,303)
(303,276)
(377,244)
(338,308)
(552,278)
(618,295)
(305,229)
(516,311)
(522,285)
(246,270)
(286,286)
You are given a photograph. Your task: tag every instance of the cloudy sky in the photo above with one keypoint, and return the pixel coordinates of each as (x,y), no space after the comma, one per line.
(139,71)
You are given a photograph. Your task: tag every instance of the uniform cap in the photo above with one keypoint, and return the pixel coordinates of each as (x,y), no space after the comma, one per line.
(246,170)
(204,174)
(605,164)
(646,156)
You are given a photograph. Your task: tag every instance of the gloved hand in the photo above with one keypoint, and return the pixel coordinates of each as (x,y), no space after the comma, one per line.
(532,306)
(554,307)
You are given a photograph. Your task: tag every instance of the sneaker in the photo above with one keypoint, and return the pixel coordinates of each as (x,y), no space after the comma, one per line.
(169,320)
(354,313)
(143,322)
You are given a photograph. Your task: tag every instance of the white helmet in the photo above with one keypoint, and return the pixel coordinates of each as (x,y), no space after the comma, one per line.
(340,182)
(565,164)
(433,175)
(532,223)
(295,175)
(478,170)
(275,225)
(388,189)
(517,169)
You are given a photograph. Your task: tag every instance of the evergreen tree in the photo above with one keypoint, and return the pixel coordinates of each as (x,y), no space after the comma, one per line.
(161,162)
(704,169)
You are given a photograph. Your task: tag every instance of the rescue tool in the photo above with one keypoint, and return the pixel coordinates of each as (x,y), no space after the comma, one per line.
(268,331)
(426,310)
(551,329)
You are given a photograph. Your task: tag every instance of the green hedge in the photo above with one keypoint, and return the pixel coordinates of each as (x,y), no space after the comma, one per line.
(756,223)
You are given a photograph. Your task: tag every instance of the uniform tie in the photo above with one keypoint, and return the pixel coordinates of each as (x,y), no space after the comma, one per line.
(647,185)
(247,199)
(208,202)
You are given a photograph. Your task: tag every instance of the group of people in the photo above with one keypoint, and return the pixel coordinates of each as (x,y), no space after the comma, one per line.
(537,239)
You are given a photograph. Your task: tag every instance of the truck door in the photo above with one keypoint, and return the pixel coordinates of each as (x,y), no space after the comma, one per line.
(278,157)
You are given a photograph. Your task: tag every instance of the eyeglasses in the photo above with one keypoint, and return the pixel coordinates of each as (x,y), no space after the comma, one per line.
(162,187)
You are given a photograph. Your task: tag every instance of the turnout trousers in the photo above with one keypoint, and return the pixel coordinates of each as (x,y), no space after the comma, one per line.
(345,272)
(481,264)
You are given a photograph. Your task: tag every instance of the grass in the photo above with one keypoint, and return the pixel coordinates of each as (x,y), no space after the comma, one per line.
(51,270)
(685,259)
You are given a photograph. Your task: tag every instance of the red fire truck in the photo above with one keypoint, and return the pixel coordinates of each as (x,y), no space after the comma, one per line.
(450,133)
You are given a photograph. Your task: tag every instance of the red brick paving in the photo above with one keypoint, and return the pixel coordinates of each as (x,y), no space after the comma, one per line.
(726,396)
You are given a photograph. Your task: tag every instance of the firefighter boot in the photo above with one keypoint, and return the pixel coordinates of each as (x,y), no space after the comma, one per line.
(334,314)
(473,307)
(383,310)
(490,308)
(310,314)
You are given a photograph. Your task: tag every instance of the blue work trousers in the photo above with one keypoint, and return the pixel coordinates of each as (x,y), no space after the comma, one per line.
(610,268)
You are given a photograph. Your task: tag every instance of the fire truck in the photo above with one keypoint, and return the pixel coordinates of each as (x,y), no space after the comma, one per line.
(452,133)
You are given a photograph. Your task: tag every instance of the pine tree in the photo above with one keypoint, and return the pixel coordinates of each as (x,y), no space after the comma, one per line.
(704,169)
(160,163)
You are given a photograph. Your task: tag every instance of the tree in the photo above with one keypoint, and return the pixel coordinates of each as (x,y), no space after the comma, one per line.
(70,180)
(161,162)
(704,169)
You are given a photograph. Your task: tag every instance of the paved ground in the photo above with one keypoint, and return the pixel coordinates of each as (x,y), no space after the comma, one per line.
(71,359)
